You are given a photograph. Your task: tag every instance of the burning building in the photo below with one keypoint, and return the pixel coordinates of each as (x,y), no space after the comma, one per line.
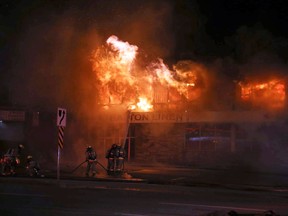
(123,80)
(180,115)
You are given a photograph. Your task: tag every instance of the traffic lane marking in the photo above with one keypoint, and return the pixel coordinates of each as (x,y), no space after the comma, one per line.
(215,207)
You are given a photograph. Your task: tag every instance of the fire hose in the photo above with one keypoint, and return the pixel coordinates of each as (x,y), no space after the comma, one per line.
(102,166)
(78,166)
(97,162)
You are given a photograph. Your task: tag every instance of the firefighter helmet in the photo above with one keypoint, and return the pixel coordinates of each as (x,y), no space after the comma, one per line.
(29,157)
(21,146)
(89,148)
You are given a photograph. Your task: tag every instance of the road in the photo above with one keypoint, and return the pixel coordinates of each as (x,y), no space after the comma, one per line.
(26,196)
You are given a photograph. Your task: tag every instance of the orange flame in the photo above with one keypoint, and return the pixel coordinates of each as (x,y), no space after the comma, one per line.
(127,52)
(270,94)
(144,104)
(121,81)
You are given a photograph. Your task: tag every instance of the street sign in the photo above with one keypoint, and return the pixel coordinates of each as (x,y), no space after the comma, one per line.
(61,117)
(61,137)
(61,123)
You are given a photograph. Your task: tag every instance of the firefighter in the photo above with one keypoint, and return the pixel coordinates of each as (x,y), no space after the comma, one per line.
(111,155)
(32,166)
(91,159)
(11,160)
(120,158)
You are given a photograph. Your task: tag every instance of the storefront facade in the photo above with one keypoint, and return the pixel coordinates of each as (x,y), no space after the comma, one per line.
(186,138)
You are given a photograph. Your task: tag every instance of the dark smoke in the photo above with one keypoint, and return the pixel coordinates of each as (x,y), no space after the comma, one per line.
(51,56)
(53,52)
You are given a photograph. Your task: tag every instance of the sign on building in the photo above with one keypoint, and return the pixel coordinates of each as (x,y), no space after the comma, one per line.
(11,115)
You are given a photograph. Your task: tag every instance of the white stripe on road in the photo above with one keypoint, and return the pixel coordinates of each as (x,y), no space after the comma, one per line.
(219,207)
(126,214)
(177,179)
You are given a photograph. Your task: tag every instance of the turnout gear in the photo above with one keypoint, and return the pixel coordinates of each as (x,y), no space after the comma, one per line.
(15,152)
(91,159)
(20,146)
(111,155)
(11,160)
(32,166)
(115,156)
(89,149)
(8,165)
(121,156)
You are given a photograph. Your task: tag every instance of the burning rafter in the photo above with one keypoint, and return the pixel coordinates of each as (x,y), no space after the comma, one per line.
(270,94)
(122,81)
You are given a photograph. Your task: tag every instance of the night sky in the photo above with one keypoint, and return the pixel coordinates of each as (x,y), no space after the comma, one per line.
(219,19)
(224,16)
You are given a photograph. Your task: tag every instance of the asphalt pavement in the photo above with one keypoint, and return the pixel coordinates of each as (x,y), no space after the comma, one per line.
(234,178)
(229,178)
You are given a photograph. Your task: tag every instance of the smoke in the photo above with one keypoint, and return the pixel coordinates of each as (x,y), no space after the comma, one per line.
(51,64)
(51,61)
(266,142)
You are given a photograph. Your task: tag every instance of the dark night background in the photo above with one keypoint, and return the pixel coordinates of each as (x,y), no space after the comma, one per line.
(44,43)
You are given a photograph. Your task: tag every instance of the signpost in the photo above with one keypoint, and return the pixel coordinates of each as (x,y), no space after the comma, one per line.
(61,123)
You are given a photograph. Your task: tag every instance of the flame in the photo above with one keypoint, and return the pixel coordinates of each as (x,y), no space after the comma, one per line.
(120,79)
(270,94)
(184,84)
(126,51)
(144,104)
